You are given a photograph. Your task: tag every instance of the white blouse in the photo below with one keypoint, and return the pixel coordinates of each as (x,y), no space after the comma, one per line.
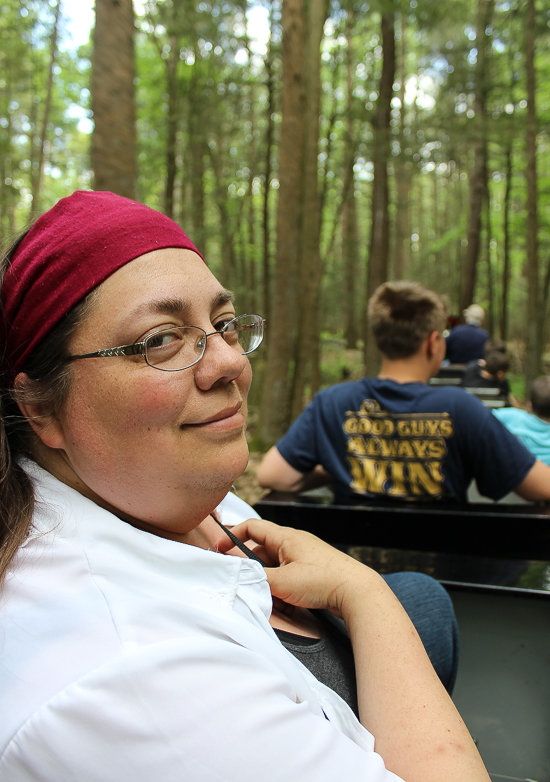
(126,657)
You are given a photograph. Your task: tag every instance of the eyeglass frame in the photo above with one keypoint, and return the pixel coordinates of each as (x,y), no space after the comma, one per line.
(140,348)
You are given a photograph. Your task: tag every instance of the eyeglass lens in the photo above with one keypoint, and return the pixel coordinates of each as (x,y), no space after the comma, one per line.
(181,347)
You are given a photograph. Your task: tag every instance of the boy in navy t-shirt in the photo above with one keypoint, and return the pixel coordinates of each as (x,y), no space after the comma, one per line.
(395,436)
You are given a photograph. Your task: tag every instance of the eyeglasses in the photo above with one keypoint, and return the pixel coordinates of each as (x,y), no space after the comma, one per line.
(180,347)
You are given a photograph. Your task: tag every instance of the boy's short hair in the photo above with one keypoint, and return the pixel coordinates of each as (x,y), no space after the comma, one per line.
(496,361)
(402,315)
(540,396)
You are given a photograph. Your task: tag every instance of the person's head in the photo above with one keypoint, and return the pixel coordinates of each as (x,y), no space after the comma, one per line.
(474,315)
(403,315)
(155,432)
(540,397)
(494,343)
(496,363)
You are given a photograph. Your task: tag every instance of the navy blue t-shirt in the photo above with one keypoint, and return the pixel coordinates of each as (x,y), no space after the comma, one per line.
(466,343)
(380,438)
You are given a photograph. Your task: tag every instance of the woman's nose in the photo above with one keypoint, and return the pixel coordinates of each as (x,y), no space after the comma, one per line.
(221,363)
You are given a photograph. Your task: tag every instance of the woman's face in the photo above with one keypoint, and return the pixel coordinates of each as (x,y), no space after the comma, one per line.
(159,448)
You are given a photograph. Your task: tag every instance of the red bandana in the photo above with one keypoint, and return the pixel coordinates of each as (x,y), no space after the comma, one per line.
(68,252)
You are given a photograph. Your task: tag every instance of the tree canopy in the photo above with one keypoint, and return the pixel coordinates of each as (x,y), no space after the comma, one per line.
(310,156)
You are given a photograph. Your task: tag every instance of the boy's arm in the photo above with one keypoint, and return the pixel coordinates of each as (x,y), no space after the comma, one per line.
(276,473)
(535,487)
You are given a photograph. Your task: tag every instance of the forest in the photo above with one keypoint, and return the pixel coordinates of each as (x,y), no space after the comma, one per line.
(311,150)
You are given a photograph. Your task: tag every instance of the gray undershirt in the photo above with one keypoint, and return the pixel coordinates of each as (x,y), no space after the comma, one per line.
(329,659)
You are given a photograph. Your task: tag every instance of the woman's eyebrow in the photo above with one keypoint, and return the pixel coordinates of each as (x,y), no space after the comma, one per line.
(179,306)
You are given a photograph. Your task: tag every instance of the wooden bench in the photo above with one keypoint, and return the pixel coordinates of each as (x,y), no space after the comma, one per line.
(450,371)
(446,381)
(491,397)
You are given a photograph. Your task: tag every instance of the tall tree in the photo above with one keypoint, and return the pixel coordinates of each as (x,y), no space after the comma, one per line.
(535,309)
(506,266)
(401,252)
(350,238)
(380,224)
(478,176)
(297,269)
(310,260)
(113,98)
(38,172)
(276,399)
(171,123)
(267,170)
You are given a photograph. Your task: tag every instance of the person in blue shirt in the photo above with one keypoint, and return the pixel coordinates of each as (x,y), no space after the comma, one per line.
(531,426)
(466,342)
(395,436)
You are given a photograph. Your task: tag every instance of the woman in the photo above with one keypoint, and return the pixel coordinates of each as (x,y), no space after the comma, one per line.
(126,655)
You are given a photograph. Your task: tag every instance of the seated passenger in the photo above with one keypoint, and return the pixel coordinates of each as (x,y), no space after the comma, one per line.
(531,426)
(395,436)
(466,341)
(490,374)
(137,640)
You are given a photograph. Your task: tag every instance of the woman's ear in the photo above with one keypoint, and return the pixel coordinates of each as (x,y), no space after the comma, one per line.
(41,418)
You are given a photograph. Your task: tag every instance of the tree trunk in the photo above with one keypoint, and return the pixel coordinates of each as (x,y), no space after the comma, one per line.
(435,259)
(491,292)
(535,308)
(113,98)
(350,239)
(478,178)
(402,247)
(171,124)
(197,153)
(380,230)
(275,400)
(226,231)
(36,183)
(8,193)
(350,252)
(506,247)
(266,258)
(310,262)
(250,253)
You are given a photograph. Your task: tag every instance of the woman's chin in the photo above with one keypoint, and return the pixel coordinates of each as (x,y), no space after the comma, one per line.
(238,468)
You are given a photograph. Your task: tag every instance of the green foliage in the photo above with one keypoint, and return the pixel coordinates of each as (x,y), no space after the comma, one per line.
(223,119)
(25,29)
(535,576)
(337,363)
(517,385)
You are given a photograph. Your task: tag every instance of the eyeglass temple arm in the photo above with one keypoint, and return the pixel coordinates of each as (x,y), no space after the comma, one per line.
(123,350)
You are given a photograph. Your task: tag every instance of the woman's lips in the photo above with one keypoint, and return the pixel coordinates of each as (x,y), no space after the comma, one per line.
(228,418)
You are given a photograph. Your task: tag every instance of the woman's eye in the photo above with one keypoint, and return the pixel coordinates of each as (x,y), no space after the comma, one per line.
(221,324)
(161,340)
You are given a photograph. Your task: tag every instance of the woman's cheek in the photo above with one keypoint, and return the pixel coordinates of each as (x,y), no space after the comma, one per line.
(132,401)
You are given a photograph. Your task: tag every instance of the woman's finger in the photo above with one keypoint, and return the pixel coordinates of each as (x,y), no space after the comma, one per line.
(263,533)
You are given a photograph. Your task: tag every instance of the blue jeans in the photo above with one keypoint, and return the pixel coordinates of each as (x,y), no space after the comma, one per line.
(431,611)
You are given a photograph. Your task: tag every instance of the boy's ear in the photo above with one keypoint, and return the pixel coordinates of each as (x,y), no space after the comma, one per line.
(45,423)
(431,343)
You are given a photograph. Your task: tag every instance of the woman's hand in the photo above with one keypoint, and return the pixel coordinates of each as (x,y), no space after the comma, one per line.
(304,571)
(418,731)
